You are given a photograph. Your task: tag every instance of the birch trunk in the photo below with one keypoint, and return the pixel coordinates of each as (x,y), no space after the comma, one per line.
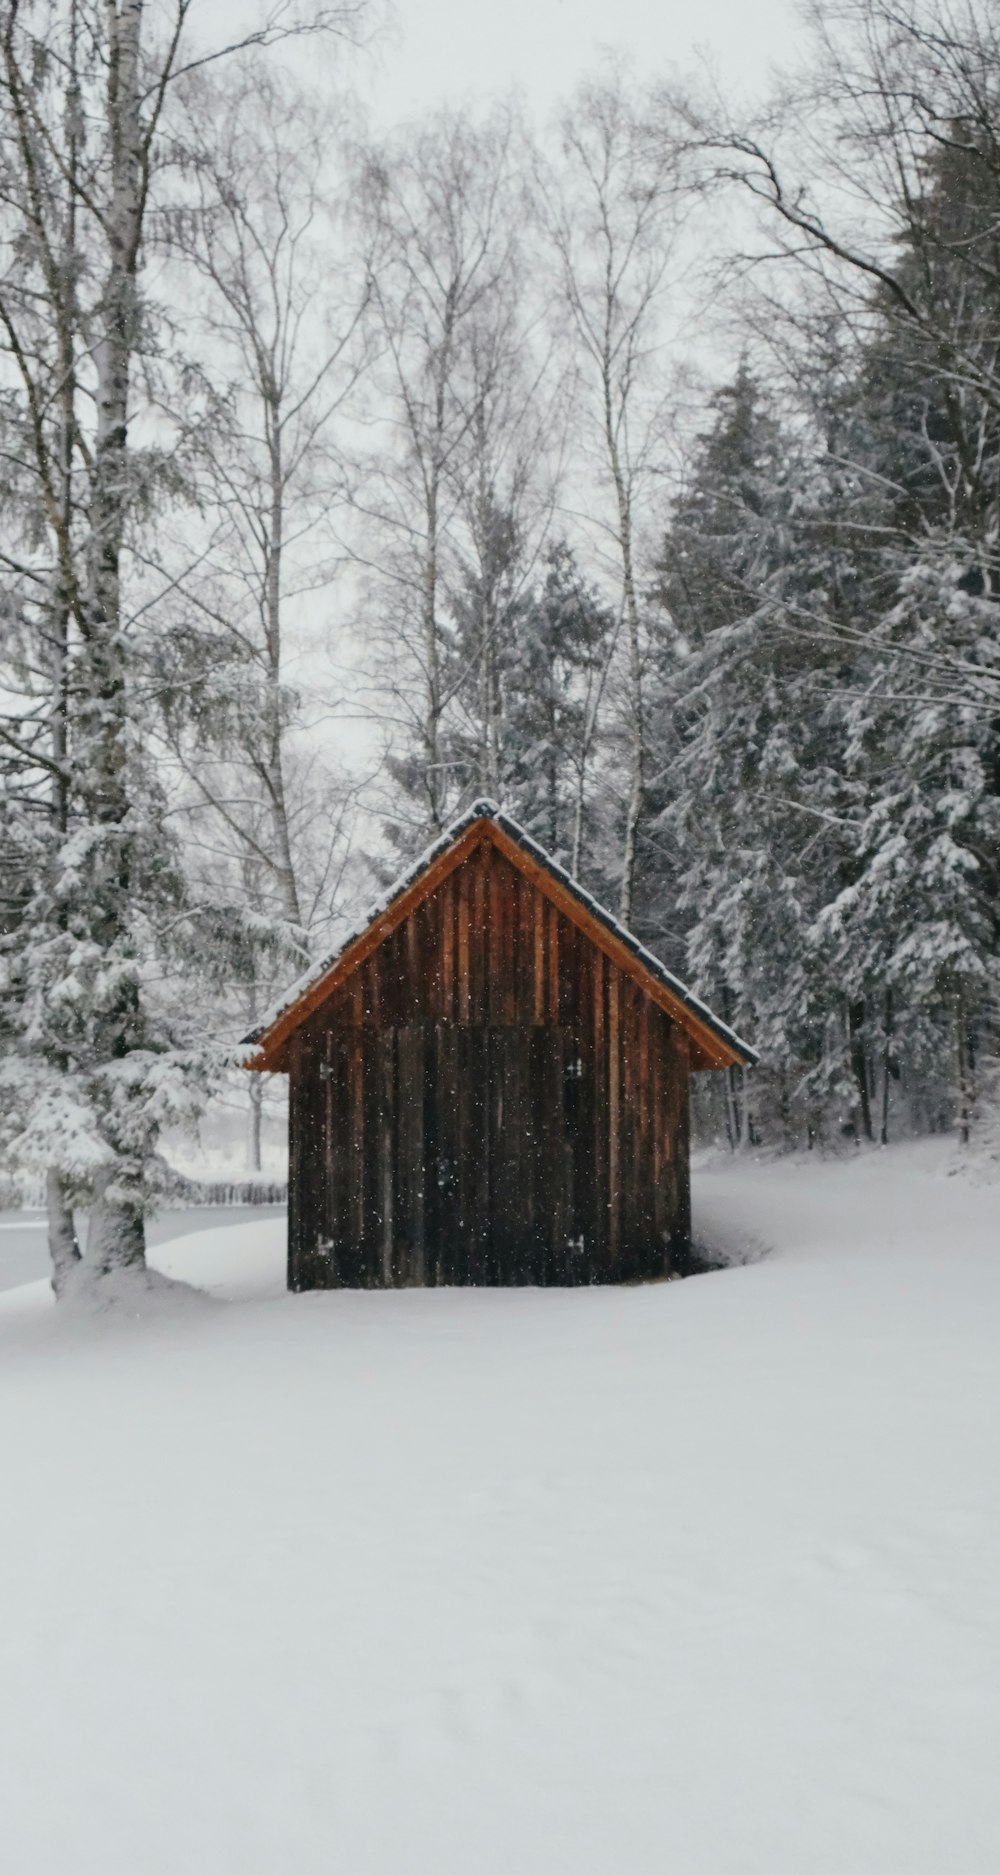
(256,1101)
(64,1251)
(284,865)
(432,666)
(637,738)
(255,1094)
(433,458)
(116,1236)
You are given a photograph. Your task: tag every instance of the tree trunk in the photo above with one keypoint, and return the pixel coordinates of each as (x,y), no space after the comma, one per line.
(735,1112)
(732,1133)
(633,815)
(589,731)
(116,1228)
(577,847)
(64,1250)
(859,1064)
(284,867)
(963,1071)
(116,1234)
(432,679)
(886,1070)
(637,728)
(256,1099)
(434,778)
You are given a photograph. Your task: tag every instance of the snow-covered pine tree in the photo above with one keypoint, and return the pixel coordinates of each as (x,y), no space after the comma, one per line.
(756,817)
(90,1074)
(923,722)
(881,182)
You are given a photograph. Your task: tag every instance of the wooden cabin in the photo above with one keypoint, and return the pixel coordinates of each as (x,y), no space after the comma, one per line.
(489,1083)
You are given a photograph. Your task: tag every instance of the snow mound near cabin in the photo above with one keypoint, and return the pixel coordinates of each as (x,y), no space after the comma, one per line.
(697,1576)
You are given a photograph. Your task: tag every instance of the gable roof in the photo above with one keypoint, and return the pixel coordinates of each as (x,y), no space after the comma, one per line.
(714,1044)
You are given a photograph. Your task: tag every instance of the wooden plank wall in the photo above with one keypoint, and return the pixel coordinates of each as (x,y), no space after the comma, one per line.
(489,1100)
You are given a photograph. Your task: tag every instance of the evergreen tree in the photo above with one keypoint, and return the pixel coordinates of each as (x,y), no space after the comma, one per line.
(758,815)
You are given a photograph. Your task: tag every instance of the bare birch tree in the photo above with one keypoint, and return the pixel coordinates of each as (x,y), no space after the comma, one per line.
(279,316)
(437,210)
(280,320)
(609,212)
(503,481)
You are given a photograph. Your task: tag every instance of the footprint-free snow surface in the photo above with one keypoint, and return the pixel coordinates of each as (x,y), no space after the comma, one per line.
(698,1577)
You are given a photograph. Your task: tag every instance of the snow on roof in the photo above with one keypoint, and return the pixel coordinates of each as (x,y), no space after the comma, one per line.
(488,810)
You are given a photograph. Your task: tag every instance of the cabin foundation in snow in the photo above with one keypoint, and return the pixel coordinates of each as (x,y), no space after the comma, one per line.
(489,1083)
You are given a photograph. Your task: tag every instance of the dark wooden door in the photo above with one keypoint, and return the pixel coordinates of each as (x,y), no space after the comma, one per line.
(456,1155)
(501,1203)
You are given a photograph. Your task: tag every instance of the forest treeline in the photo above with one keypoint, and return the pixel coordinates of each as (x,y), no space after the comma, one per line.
(640,473)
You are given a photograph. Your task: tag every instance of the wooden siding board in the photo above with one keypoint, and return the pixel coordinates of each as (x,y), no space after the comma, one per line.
(389,1108)
(464,888)
(494,937)
(448,950)
(541,1184)
(519,1082)
(556,1158)
(613,1121)
(552,964)
(682,1152)
(296,1183)
(599,1119)
(538,958)
(633,1111)
(331,1132)
(501,1195)
(450,1247)
(309,1166)
(411,1166)
(426,1093)
(479,1071)
(478,956)
(507,960)
(524,973)
(659,1043)
(465,1148)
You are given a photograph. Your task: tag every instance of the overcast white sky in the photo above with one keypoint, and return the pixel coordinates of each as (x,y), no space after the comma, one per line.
(458,50)
(464,51)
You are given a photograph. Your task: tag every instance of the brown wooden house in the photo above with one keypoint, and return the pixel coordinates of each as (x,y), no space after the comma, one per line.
(489,1083)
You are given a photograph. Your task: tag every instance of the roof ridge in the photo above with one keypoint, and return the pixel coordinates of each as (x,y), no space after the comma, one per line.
(488,810)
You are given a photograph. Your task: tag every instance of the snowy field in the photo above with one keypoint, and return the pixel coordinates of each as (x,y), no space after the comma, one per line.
(699,1577)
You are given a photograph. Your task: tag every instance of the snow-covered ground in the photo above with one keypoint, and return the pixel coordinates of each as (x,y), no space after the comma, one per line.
(24,1248)
(698,1577)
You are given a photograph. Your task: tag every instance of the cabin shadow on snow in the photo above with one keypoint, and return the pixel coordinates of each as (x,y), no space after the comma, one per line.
(489,1084)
